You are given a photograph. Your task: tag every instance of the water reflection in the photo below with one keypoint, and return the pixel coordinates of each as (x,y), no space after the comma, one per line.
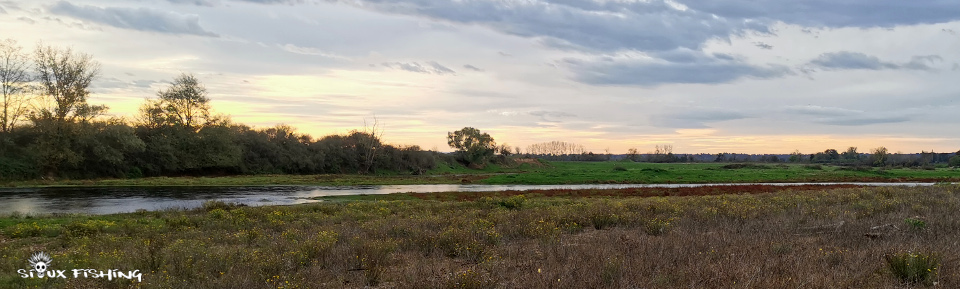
(129,199)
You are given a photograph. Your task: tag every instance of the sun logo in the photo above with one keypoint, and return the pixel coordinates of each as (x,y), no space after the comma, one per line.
(40,262)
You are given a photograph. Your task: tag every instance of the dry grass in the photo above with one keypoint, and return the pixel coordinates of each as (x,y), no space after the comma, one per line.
(790,239)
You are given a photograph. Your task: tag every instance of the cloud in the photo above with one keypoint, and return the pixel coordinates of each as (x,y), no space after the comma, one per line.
(310,51)
(143,19)
(576,24)
(471,67)
(856,60)
(549,116)
(673,67)
(208,3)
(694,118)
(430,67)
(822,111)
(2,11)
(763,45)
(833,13)
(863,120)
(26,19)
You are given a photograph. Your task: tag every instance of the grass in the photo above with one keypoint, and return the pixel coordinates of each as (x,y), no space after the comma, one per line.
(827,238)
(552,173)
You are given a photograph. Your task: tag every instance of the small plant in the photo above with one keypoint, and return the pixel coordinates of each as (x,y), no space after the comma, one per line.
(915,223)
(514,202)
(604,220)
(619,169)
(657,227)
(913,267)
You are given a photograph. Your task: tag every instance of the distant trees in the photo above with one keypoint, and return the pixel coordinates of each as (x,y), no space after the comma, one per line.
(662,154)
(851,155)
(184,103)
(879,156)
(64,77)
(175,134)
(555,148)
(633,154)
(15,81)
(473,147)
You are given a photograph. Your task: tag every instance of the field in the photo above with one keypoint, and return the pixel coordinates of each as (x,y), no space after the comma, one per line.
(803,237)
(555,173)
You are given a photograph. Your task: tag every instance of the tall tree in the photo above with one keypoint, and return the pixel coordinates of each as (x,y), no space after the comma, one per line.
(65,77)
(14,82)
(184,103)
(473,146)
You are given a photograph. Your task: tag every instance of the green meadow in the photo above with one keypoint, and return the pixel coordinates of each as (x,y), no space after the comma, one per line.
(555,173)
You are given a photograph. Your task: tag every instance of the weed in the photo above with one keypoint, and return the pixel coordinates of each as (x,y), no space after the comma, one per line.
(916,224)
(913,267)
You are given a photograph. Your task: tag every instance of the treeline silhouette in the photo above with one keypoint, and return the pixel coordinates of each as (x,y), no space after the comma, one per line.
(49,130)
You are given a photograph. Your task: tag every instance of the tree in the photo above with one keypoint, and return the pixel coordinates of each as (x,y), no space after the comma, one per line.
(473,147)
(65,77)
(184,104)
(851,154)
(633,154)
(879,156)
(14,83)
(796,156)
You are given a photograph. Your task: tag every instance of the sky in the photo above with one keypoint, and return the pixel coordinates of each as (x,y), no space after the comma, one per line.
(705,76)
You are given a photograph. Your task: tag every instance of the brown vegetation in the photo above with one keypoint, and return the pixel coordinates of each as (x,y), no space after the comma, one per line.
(827,238)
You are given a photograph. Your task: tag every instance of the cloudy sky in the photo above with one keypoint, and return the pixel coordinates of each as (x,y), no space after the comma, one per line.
(708,76)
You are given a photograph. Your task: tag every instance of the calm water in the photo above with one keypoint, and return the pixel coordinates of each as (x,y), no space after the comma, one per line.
(129,199)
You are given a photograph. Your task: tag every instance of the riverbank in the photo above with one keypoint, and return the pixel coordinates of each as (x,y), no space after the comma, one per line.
(834,238)
(555,173)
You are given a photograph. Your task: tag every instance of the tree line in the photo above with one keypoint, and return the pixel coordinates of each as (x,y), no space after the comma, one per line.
(48,129)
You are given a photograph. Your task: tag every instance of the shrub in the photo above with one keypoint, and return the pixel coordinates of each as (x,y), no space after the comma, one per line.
(915,223)
(813,167)
(657,226)
(619,169)
(913,267)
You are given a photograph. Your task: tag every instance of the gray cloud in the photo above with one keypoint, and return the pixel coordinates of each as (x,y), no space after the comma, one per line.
(430,67)
(856,60)
(310,51)
(694,118)
(471,67)
(144,19)
(2,11)
(26,19)
(550,116)
(196,2)
(673,67)
(863,120)
(763,45)
(822,111)
(585,25)
(834,13)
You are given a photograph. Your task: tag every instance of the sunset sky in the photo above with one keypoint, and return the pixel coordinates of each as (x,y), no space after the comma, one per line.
(706,76)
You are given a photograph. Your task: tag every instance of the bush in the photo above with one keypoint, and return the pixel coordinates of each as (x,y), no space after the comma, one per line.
(913,267)
(619,169)
(813,167)
(916,224)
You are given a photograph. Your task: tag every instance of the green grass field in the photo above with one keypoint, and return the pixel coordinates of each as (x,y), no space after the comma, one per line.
(554,173)
(836,238)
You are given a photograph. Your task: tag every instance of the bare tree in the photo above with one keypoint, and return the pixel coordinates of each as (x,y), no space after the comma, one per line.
(65,79)
(14,83)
